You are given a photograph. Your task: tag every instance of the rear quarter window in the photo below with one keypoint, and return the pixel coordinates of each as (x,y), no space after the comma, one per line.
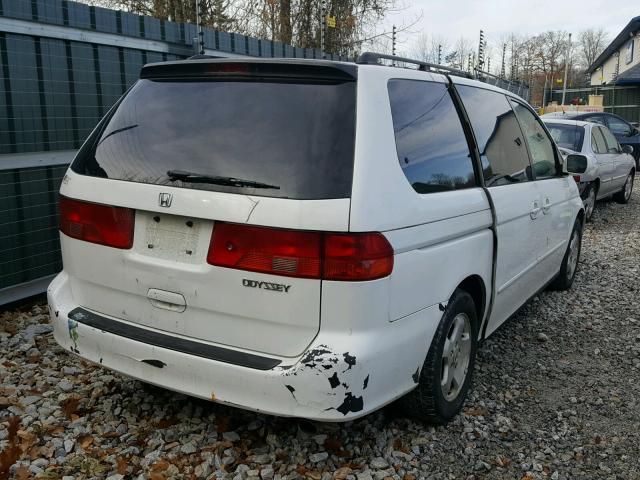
(430,142)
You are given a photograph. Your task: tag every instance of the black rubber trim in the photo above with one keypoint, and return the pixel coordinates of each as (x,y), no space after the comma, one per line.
(169,342)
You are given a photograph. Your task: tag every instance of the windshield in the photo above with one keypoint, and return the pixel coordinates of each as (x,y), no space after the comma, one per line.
(297,136)
(567,136)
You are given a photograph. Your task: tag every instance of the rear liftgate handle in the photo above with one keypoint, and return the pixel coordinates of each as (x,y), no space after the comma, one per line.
(167,300)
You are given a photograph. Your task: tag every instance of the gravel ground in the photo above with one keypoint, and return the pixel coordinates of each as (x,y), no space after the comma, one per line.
(556,395)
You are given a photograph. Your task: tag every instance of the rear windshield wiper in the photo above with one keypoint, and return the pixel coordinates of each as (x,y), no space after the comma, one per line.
(215,180)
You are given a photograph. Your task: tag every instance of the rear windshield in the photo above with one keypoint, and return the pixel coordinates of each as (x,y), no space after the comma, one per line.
(567,136)
(295,136)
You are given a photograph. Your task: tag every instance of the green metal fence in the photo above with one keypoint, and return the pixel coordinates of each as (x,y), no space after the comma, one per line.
(62,65)
(623,101)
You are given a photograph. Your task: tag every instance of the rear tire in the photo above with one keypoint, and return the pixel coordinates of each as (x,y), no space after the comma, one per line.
(624,195)
(569,265)
(590,202)
(446,375)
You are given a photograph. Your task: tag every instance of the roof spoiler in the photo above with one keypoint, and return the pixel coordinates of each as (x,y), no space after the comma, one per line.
(243,68)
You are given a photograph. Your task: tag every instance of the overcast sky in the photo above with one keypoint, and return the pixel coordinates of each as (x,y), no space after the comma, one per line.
(455,18)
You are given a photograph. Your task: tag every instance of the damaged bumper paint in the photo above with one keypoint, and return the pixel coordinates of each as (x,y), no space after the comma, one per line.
(340,376)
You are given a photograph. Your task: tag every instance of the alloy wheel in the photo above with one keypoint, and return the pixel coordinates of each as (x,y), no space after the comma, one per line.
(628,187)
(574,251)
(456,355)
(590,202)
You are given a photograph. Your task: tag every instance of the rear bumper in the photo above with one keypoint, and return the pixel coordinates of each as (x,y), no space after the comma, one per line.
(340,377)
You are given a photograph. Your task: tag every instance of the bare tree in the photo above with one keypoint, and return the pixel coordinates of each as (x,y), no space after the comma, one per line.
(428,47)
(591,43)
(458,57)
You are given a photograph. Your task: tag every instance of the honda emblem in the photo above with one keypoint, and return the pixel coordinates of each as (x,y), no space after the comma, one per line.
(164,200)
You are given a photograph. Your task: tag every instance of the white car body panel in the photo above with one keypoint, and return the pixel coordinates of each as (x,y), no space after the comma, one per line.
(372,335)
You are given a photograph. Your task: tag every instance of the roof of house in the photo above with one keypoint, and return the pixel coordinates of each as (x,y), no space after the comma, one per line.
(632,27)
(629,77)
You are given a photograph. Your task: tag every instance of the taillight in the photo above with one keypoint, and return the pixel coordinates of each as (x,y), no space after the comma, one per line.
(329,256)
(576,178)
(102,224)
(359,256)
(259,249)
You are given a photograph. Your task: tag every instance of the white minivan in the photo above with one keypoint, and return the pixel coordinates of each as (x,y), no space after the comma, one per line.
(309,238)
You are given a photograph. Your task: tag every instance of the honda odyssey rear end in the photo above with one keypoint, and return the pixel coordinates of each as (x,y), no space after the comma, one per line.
(309,238)
(205,238)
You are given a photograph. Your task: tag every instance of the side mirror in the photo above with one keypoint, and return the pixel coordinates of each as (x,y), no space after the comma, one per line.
(576,163)
(627,149)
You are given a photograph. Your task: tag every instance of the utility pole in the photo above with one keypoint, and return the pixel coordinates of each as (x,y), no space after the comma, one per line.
(566,69)
(481,46)
(323,27)
(393,41)
(504,53)
(200,43)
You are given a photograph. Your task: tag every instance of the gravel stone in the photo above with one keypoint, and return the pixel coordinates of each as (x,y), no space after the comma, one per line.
(231,436)
(318,457)
(267,473)
(542,337)
(69,445)
(378,462)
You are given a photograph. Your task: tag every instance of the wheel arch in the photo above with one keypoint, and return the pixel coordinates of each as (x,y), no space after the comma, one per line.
(474,286)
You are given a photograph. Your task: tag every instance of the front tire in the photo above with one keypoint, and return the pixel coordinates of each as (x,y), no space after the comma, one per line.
(569,265)
(446,375)
(624,195)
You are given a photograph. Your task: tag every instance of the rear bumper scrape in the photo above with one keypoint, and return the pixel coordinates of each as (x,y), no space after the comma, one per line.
(322,361)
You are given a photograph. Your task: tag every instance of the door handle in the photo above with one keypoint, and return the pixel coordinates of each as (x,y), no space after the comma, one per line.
(546,206)
(535,210)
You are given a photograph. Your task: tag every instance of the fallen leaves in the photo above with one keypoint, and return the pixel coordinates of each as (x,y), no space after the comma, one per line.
(477,411)
(70,407)
(10,454)
(342,473)
(10,328)
(22,472)
(334,447)
(85,441)
(121,466)
(160,465)
(400,445)
(167,422)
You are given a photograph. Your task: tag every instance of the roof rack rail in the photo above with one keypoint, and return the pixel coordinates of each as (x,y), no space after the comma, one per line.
(372,58)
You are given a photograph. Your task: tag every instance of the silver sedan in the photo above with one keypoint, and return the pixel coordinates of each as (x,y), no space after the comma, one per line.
(610,167)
